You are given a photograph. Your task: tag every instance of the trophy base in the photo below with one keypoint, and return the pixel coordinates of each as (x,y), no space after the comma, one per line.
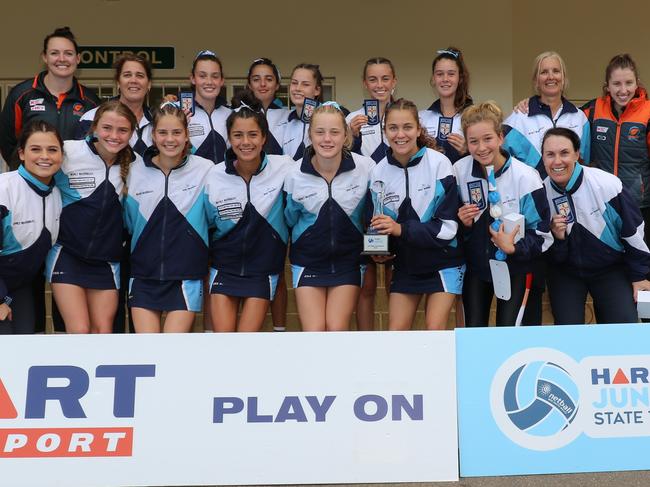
(375,245)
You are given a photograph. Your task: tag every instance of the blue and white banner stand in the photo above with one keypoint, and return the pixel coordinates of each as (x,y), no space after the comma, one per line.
(553,399)
(227,409)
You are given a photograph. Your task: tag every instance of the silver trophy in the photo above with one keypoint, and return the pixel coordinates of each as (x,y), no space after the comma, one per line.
(373,242)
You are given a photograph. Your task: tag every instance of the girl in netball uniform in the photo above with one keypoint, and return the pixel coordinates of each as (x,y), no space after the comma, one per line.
(30,205)
(450,79)
(420,201)
(306,82)
(379,81)
(245,207)
(264,81)
(494,184)
(165,216)
(208,124)
(326,195)
(83,267)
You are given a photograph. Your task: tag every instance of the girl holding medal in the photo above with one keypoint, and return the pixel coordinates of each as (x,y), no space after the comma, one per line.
(450,79)
(165,216)
(379,81)
(494,184)
(326,196)
(264,81)
(421,202)
(83,267)
(29,196)
(306,86)
(245,205)
(597,252)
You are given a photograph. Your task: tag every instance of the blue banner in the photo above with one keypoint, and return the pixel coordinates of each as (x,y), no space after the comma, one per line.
(553,399)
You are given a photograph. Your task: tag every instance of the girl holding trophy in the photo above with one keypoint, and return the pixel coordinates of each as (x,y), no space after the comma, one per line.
(417,189)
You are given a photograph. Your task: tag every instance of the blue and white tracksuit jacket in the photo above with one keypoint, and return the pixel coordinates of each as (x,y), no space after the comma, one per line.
(167,220)
(277,116)
(208,133)
(605,228)
(423,197)
(371,142)
(250,234)
(327,218)
(524,132)
(141,138)
(296,136)
(91,221)
(522,191)
(29,225)
(430,119)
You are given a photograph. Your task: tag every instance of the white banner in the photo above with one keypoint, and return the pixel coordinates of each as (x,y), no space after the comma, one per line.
(205,409)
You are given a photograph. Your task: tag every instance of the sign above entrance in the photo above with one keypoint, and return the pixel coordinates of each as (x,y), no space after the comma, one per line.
(103,57)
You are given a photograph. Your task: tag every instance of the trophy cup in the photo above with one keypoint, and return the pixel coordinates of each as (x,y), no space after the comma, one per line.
(373,242)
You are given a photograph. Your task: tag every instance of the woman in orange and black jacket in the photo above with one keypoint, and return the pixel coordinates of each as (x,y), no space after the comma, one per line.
(620,131)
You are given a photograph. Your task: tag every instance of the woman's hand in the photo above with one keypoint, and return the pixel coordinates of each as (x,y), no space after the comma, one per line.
(457,141)
(386,225)
(640,286)
(522,106)
(559,226)
(505,241)
(5,312)
(356,123)
(467,213)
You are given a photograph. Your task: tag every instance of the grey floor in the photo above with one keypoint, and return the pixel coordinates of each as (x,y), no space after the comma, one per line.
(618,479)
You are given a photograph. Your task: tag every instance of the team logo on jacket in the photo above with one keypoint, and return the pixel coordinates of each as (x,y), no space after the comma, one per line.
(36,105)
(78,109)
(476,195)
(633,133)
(563,207)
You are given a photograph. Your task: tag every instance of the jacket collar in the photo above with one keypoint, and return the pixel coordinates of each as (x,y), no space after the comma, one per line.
(574,181)
(231,158)
(536,107)
(75,93)
(40,188)
(306,166)
(152,151)
(478,172)
(413,161)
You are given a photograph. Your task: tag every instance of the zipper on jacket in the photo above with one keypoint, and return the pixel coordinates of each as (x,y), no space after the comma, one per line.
(43,213)
(164,226)
(98,222)
(214,139)
(616,144)
(242,272)
(330,200)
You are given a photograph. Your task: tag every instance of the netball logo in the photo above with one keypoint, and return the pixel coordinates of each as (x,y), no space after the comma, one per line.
(535,399)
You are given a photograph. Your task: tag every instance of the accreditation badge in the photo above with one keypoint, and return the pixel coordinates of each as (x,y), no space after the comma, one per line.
(308,107)
(476,194)
(563,207)
(371,108)
(445,124)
